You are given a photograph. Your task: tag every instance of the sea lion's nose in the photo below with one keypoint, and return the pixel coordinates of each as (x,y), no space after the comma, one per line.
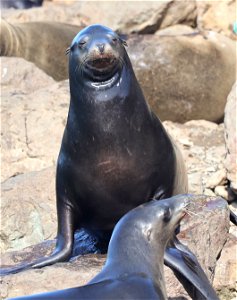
(101,47)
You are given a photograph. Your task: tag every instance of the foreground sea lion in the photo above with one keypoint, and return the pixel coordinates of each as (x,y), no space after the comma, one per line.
(137,272)
(115,153)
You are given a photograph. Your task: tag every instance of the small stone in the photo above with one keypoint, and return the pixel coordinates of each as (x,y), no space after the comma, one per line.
(209,192)
(221,190)
(215,179)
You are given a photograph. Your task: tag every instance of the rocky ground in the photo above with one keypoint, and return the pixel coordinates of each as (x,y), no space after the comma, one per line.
(34,110)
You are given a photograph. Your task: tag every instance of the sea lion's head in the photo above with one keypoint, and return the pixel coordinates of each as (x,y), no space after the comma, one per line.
(96,52)
(154,223)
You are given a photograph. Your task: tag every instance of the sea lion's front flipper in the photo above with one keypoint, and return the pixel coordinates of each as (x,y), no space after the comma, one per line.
(188,271)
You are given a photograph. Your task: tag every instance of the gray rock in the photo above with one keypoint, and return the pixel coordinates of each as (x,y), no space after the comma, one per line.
(28,209)
(231,137)
(200,231)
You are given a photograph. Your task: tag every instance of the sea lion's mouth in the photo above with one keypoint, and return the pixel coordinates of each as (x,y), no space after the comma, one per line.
(177,227)
(101,63)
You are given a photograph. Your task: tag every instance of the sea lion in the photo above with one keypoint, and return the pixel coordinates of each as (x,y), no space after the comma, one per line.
(20,4)
(134,265)
(42,43)
(115,153)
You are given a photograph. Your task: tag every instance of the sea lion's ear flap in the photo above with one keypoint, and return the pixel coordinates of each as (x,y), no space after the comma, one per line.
(124,42)
(68,50)
(122,38)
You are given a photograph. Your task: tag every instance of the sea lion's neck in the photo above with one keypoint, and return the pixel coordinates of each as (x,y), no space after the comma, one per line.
(147,259)
(116,101)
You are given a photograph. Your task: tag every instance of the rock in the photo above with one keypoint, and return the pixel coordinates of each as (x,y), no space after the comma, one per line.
(230,138)
(59,276)
(157,59)
(200,231)
(32,128)
(29,210)
(21,77)
(202,145)
(221,191)
(175,30)
(53,12)
(225,273)
(218,16)
(122,16)
(217,178)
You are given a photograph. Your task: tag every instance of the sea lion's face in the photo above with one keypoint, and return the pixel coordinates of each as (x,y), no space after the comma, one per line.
(97,52)
(158,220)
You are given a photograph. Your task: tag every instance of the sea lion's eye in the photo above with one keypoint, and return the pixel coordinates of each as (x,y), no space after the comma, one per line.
(81,43)
(167,214)
(114,39)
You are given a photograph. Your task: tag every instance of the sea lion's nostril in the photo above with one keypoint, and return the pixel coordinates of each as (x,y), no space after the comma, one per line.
(101,47)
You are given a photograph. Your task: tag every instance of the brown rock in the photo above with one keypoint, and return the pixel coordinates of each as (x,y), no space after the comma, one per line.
(32,128)
(225,274)
(125,16)
(202,145)
(158,59)
(216,178)
(218,16)
(221,191)
(21,77)
(200,231)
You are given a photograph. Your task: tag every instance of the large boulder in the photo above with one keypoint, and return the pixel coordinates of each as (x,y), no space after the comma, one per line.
(21,77)
(28,209)
(218,16)
(184,77)
(124,16)
(204,231)
(33,118)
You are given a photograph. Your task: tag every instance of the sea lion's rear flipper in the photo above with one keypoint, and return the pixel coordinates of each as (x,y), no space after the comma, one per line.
(188,271)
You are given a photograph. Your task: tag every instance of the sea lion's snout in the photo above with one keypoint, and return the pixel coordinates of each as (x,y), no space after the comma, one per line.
(101,47)
(101,56)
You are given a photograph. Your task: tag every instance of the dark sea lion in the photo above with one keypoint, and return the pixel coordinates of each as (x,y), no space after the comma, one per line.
(20,4)
(134,265)
(115,153)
